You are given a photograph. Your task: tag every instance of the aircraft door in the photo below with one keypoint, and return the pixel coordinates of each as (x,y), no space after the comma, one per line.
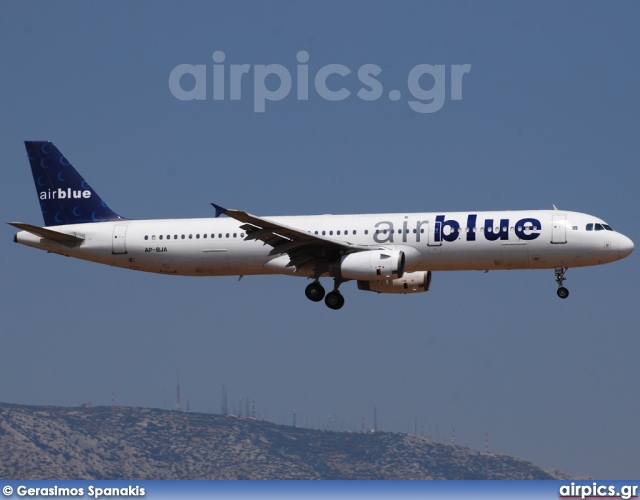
(559,229)
(119,239)
(435,234)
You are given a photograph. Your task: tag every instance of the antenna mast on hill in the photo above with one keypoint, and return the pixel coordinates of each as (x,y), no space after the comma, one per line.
(178,404)
(375,419)
(225,407)
(113,398)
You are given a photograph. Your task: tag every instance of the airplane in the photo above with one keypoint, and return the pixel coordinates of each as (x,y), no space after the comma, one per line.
(384,253)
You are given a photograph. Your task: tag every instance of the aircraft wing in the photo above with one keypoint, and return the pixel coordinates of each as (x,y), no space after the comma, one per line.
(305,249)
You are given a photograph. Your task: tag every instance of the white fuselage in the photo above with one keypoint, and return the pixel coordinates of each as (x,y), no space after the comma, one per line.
(437,241)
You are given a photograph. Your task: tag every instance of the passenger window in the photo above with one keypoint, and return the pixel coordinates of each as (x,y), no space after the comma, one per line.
(366,231)
(204,235)
(338,233)
(146,237)
(227,235)
(160,237)
(235,234)
(153,237)
(191,236)
(323,233)
(198,236)
(183,236)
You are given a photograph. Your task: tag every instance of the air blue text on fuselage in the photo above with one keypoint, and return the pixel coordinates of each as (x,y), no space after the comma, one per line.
(444,229)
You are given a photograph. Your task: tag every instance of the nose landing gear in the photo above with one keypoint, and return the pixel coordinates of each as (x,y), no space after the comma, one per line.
(563,293)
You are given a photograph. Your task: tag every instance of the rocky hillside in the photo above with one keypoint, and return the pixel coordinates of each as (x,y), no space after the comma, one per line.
(139,443)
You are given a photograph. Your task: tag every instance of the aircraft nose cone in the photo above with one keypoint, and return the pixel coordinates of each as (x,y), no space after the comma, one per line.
(625,246)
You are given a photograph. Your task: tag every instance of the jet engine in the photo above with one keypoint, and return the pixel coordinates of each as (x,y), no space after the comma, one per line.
(419,281)
(371,265)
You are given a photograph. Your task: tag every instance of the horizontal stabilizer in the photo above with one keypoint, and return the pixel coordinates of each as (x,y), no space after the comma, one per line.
(45,233)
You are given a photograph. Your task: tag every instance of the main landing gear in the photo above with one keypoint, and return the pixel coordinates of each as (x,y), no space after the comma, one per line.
(563,293)
(334,299)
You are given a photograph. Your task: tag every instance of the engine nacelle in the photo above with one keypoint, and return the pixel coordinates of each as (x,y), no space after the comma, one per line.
(371,265)
(419,281)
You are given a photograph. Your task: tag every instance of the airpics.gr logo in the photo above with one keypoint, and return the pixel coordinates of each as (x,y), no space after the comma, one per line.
(427,84)
(61,194)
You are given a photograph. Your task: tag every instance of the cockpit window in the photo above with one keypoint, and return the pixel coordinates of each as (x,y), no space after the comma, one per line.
(599,227)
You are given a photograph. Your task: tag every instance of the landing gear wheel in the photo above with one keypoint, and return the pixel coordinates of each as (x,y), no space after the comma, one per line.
(563,293)
(314,291)
(334,300)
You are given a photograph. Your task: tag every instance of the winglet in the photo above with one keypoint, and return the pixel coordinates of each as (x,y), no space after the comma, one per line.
(219,210)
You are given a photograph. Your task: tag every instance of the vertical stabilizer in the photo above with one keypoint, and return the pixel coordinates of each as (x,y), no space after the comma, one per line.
(65,197)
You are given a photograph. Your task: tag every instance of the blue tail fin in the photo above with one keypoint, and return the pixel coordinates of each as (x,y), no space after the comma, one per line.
(65,197)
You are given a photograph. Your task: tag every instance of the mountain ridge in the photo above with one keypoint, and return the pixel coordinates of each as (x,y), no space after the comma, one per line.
(48,442)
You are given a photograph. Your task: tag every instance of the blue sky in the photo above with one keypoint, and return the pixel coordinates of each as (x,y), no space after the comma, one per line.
(549,114)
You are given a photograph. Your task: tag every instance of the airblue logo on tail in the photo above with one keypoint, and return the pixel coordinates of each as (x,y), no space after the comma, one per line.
(65,197)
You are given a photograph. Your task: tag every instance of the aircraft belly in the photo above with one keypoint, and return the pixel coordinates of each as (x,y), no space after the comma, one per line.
(515,256)
(216,261)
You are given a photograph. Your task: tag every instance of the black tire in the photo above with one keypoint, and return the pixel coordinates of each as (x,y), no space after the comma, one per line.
(314,292)
(563,293)
(334,300)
